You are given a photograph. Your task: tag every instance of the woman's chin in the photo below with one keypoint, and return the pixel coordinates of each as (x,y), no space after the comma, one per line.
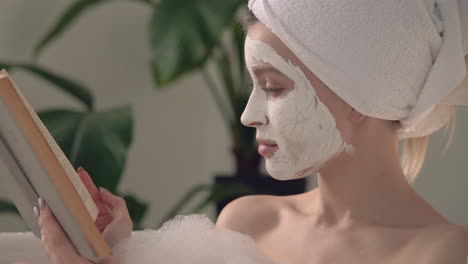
(286,175)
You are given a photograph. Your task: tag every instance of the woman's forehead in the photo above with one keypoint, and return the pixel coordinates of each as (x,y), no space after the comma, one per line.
(260,32)
(262,68)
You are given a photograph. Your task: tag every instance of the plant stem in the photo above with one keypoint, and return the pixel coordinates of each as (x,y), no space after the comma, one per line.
(184,200)
(217,97)
(224,65)
(225,71)
(147,2)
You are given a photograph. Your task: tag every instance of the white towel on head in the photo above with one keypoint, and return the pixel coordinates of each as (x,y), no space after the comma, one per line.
(392,59)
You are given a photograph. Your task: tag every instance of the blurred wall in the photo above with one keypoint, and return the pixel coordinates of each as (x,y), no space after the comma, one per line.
(180,139)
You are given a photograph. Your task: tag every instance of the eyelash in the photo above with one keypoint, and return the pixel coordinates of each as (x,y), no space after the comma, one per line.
(267,90)
(271,90)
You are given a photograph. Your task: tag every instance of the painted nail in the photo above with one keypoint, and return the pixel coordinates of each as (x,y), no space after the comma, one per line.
(36,211)
(102,189)
(41,203)
(80,169)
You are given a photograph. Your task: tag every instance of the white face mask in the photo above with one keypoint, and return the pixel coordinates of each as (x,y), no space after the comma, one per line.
(300,124)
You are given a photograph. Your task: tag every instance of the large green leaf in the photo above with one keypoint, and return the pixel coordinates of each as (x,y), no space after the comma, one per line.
(97,141)
(7,207)
(184,33)
(67,85)
(69,16)
(239,39)
(136,209)
(63,124)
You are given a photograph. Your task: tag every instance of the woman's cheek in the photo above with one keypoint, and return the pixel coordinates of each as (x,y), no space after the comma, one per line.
(284,121)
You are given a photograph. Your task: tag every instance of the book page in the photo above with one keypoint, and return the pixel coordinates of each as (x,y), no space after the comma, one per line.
(69,170)
(20,190)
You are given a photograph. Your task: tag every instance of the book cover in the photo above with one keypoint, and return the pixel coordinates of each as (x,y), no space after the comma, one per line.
(38,168)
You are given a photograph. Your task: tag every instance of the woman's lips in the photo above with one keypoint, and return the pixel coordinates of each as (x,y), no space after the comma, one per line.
(267,150)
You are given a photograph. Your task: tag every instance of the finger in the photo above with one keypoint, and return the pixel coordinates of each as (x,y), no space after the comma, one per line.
(121,226)
(93,191)
(103,220)
(117,231)
(54,239)
(89,184)
(104,217)
(116,204)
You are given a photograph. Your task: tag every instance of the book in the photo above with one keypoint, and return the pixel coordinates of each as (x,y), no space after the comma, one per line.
(38,168)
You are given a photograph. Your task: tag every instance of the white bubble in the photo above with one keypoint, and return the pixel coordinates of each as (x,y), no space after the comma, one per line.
(190,239)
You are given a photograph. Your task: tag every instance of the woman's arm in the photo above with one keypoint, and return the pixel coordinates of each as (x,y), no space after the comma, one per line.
(113,221)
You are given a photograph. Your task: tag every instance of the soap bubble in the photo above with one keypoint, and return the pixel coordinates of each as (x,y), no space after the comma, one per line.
(190,239)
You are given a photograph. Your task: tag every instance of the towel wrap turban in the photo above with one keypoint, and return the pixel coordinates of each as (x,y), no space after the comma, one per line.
(393,59)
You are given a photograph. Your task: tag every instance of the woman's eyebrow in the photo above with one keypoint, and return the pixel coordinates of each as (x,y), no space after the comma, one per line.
(262,69)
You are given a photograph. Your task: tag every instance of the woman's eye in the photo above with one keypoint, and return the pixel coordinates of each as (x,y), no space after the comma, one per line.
(271,91)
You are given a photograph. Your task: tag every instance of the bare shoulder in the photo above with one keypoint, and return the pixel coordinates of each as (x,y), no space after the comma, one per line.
(445,244)
(452,236)
(253,215)
(455,241)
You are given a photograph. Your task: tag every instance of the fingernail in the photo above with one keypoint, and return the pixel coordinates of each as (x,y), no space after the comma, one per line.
(102,189)
(36,211)
(80,169)
(41,203)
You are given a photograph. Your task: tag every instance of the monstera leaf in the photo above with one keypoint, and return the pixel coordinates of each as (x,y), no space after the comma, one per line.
(71,87)
(7,207)
(69,16)
(136,209)
(96,141)
(184,33)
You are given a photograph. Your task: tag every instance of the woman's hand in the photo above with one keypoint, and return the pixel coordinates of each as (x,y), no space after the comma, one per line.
(113,221)
(55,242)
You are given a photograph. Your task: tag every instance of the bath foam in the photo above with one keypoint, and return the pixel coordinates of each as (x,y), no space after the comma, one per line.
(190,239)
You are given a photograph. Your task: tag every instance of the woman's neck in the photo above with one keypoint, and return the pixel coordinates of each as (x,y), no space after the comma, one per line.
(369,188)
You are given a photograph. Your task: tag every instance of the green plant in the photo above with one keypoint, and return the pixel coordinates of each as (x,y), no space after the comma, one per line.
(213,193)
(96,140)
(187,36)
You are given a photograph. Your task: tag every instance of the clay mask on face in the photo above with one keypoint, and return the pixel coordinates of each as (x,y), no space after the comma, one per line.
(300,124)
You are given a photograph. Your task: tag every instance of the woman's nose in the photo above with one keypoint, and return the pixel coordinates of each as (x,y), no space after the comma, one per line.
(254,112)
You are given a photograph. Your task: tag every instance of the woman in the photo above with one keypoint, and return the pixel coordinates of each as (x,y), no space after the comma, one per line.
(337,85)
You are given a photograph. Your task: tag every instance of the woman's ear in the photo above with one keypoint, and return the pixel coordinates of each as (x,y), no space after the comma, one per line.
(356,117)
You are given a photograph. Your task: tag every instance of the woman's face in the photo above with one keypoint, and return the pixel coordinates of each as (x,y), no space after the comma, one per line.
(290,108)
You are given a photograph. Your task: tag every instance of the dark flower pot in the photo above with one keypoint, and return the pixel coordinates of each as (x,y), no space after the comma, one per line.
(262,184)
